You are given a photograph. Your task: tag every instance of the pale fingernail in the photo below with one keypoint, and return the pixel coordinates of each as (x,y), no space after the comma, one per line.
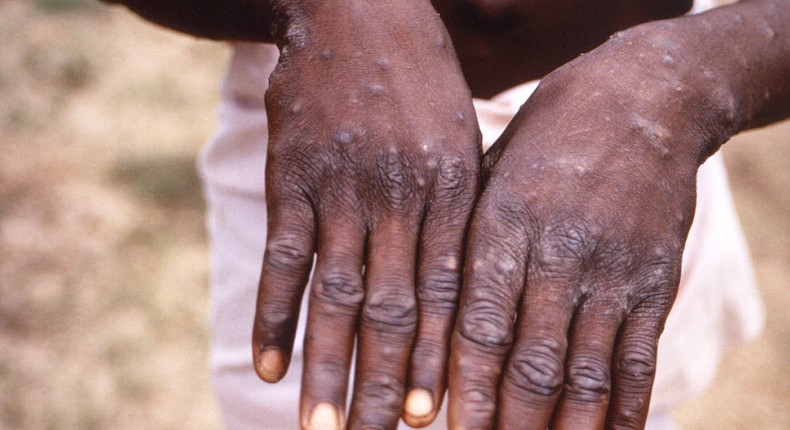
(325,416)
(418,407)
(270,365)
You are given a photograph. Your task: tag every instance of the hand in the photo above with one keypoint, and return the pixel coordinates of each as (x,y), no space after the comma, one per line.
(574,250)
(373,165)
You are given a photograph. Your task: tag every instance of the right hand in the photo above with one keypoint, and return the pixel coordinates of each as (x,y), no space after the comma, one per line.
(373,165)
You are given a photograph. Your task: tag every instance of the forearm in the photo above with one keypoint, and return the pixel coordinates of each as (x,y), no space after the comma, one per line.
(698,80)
(242,20)
(273,20)
(214,19)
(746,48)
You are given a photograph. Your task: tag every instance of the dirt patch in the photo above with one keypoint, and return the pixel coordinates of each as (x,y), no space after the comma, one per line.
(103,284)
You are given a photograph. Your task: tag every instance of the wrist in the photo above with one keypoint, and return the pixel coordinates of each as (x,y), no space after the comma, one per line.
(746,47)
(358,23)
(681,86)
(734,62)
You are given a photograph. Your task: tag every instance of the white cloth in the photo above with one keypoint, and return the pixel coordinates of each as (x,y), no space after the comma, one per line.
(717,306)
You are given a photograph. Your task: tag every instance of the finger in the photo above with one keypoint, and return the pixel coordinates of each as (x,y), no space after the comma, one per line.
(534,374)
(286,269)
(585,395)
(635,365)
(438,285)
(335,298)
(493,280)
(387,326)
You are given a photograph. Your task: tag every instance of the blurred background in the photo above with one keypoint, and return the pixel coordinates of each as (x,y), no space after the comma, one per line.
(103,256)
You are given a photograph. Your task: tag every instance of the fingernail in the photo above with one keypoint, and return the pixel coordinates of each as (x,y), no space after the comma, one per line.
(325,416)
(418,408)
(270,365)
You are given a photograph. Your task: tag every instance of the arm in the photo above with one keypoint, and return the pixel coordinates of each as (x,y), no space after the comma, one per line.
(739,58)
(221,20)
(574,251)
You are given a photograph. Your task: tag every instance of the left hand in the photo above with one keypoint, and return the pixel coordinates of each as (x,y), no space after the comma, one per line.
(574,251)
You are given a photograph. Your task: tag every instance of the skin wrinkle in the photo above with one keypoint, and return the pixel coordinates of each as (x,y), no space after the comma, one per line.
(537,369)
(438,290)
(588,378)
(393,311)
(484,325)
(338,290)
(286,255)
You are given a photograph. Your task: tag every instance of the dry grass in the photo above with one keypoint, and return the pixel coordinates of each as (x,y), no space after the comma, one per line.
(103,291)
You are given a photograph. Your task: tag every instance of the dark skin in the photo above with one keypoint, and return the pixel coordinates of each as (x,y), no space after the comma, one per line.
(571,252)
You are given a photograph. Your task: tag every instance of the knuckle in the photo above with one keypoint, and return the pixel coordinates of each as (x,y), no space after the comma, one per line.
(479,402)
(391,312)
(636,365)
(501,221)
(614,257)
(288,253)
(379,392)
(655,285)
(438,288)
(565,244)
(273,318)
(485,323)
(658,276)
(339,289)
(654,304)
(588,379)
(395,178)
(537,368)
(497,265)
(512,214)
(451,177)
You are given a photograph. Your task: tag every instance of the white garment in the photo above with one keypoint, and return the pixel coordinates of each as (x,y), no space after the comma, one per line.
(717,306)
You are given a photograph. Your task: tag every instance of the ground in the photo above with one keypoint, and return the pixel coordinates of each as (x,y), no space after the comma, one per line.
(103,257)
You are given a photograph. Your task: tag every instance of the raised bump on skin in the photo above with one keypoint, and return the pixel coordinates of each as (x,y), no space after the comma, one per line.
(384,64)
(344,136)
(377,90)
